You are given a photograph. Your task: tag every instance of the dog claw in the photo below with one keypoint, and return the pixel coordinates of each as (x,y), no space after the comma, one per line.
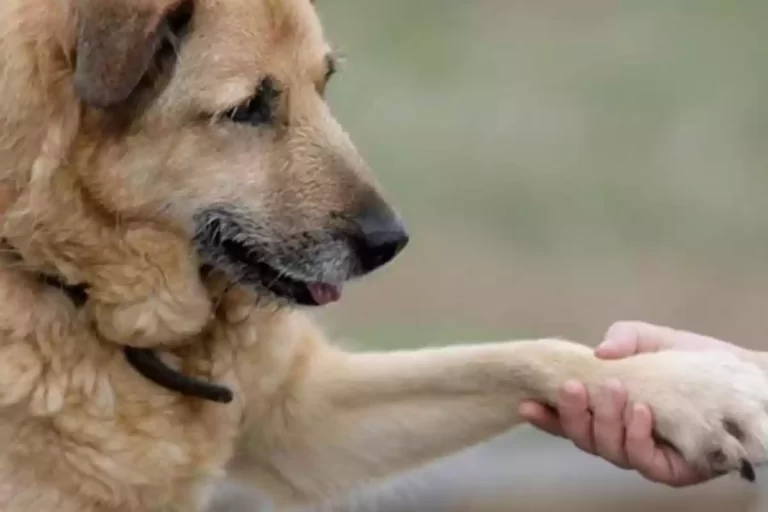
(747,471)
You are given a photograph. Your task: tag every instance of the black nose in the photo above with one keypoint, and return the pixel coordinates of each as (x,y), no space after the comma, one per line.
(381,236)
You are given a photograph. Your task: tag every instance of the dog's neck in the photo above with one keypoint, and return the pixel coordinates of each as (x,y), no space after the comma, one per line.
(144,361)
(77,293)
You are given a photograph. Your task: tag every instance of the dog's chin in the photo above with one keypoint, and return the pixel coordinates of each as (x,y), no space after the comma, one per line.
(247,268)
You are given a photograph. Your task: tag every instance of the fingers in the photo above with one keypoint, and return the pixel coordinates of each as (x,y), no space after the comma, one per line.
(656,463)
(609,405)
(641,448)
(575,416)
(601,433)
(624,339)
(541,417)
(614,429)
(572,419)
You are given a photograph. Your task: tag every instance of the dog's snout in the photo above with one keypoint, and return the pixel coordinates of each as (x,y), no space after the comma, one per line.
(381,237)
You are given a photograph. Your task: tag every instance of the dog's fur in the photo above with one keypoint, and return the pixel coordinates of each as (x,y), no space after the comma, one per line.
(110,149)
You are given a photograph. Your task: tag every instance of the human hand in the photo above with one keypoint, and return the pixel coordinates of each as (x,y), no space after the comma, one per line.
(607,425)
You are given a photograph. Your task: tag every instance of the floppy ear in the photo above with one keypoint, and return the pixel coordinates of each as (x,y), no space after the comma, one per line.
(116,43)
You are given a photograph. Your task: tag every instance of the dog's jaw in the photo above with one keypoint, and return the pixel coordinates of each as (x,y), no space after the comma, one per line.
(223,244)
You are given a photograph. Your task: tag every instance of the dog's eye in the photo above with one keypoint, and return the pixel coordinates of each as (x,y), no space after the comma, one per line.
(260,108)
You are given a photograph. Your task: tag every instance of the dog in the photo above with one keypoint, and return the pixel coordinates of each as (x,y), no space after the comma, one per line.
(175,194)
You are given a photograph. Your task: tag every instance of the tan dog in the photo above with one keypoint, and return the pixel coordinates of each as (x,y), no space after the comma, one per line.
(139,139)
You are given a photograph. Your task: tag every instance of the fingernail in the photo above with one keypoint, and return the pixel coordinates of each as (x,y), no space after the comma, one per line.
(614,385)
(572,387)
(526,409)
(619,331)
(571,391)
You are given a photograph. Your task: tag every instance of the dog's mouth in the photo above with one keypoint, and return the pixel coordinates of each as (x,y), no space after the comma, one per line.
(255,271)
(231,243)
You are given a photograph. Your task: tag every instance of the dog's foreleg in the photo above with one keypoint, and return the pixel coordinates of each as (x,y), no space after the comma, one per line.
(353,418)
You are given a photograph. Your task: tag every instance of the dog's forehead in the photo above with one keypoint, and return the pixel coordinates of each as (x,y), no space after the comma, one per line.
(234,44)
(252,31)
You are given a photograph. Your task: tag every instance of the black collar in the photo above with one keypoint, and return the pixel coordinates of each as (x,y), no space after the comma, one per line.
(145,361)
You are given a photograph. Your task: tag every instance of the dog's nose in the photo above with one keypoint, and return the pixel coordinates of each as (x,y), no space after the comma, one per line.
(381,237)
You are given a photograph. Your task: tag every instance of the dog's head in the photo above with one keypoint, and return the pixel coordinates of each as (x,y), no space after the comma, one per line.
(210,116)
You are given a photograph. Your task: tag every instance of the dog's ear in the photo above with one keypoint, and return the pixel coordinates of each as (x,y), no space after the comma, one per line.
(117,41)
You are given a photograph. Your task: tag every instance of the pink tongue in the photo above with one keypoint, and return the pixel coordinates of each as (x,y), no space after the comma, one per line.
(324,293)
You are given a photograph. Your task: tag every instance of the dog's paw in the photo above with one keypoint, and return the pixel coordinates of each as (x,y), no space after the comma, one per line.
(711,406)
(154,298)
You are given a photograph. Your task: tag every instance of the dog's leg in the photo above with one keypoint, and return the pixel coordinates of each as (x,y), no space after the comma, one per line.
(341,419)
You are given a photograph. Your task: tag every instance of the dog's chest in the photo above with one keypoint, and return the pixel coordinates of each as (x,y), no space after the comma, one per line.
(128,443)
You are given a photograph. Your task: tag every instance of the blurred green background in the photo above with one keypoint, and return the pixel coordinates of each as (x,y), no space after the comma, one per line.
(561,165)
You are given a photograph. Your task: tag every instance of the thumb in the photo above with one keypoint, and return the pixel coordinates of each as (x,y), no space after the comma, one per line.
(624,339)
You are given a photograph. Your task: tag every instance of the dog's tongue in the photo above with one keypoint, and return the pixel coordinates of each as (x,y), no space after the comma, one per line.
(324,293)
